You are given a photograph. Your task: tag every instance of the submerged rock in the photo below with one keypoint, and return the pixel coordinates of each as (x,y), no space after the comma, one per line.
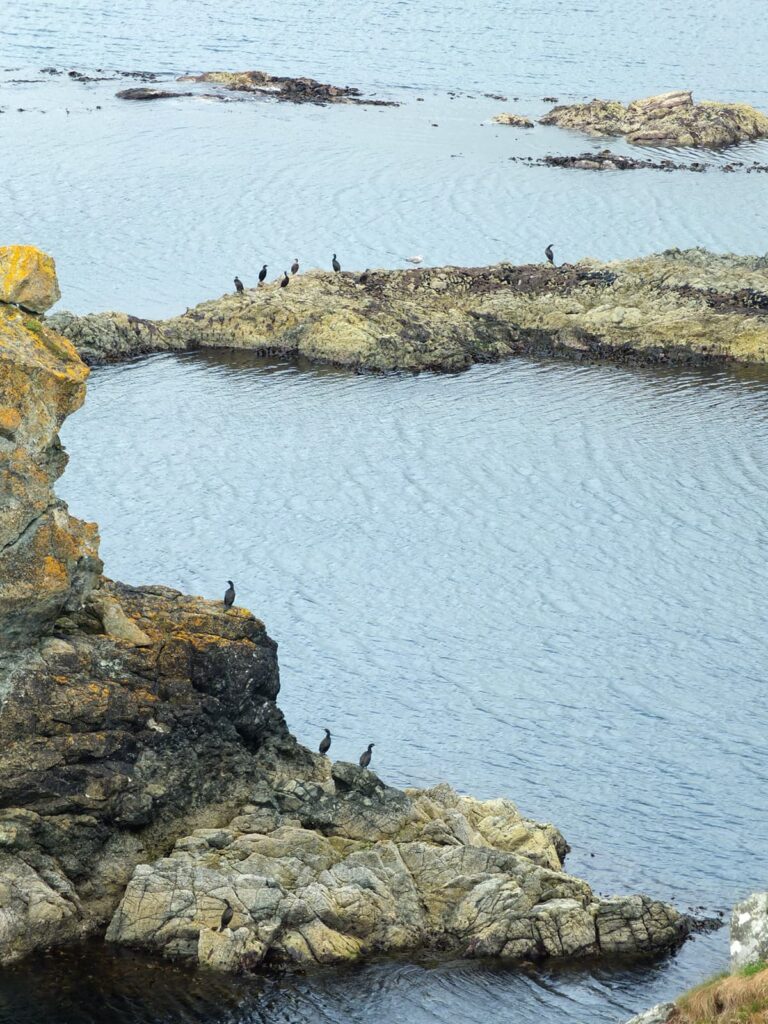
(670,119)
(146,93)
(147,774)
(679,306)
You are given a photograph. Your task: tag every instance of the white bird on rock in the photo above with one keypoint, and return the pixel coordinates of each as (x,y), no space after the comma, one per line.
(414,259)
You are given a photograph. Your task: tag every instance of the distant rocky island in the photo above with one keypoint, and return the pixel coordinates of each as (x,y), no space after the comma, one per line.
(148,781)
(686,307)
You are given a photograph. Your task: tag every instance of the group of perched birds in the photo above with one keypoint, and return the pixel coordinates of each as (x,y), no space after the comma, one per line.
(325,744)
(240,287)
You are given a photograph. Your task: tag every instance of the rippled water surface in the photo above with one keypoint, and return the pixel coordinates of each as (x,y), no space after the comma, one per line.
(536,580)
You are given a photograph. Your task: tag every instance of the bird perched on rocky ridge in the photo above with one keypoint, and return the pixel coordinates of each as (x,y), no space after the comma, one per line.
(286,279)
(295,266)
(550,255)
(414,259)
(262,274)
(363,279)
(325,742)
(227,916)
(336,265)
(229,595)
(365,757)
(239,286)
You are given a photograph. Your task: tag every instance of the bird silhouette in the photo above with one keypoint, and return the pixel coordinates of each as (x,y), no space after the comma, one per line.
(227,916)
(239,286)
(336,264)
(286,279)
(229,595)
(295,266)
(363,277)
(365,757)
(325,742)
(262,274)
(550,255)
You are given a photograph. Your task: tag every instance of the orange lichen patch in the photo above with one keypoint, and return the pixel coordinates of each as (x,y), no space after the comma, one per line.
(9,419)
(28,277)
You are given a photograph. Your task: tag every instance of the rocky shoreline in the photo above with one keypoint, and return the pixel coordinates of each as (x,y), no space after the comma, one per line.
(685,307)
(147,774)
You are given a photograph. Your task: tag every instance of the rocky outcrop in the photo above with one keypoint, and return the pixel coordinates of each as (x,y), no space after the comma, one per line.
(671,119)
(292,90)
(515,120)
(659,1014)
(48,559)
(679,306)
(749,931)
(336,865)
(607,160)
(147,774)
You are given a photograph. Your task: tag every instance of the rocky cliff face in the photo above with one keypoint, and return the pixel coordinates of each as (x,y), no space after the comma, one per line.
(688,307)
(147,775)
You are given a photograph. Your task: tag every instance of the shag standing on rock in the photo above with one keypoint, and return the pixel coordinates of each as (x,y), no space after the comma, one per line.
(262,274)
(227,916)
(229,595)
(365,757)
(363,279)
(295,266)
(239,286)
(325,742)
(336,264)
(286,279)
(550,255)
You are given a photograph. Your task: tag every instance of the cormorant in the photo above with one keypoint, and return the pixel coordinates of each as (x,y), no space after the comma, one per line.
(363,277)
(365,757)
(286,279)
(550,255)
(227,916)
(325,742)
(262,274)
(239,285)
(229,595)
(336,264)
(295,266)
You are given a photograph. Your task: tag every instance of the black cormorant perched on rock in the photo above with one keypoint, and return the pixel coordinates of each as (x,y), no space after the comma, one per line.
(295,266)
(239,285)
(262,274)
(365,757)
(325,742)
(550,255)
(363,279)
(229,595)
(286,279)
(227,916)
(336,264)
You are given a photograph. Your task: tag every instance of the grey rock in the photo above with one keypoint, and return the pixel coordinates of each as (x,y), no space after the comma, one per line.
(749,931)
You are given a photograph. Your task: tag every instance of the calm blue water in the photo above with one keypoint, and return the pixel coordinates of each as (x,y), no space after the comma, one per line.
(533,580)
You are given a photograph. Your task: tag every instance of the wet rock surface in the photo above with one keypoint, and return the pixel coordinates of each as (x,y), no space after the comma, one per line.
(292,90)
(675,307)
(515,120)
(607,160)
(670,119)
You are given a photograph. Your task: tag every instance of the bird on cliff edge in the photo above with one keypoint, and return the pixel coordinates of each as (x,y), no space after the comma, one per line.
(239,286)
(325,742)
(295,266)
(227,916)
(365,757)
(336,265)
(286,279)
(262,274)
(550,255)
(229,595)
(363,279)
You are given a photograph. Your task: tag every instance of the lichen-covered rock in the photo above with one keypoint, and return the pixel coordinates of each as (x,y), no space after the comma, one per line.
(678,306)
(670,119)
(294,90)
(515,120)
(749,931)
(28,278)
(338,866)
(48,559)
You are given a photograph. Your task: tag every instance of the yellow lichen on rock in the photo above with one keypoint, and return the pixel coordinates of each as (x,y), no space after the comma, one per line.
(28,278)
